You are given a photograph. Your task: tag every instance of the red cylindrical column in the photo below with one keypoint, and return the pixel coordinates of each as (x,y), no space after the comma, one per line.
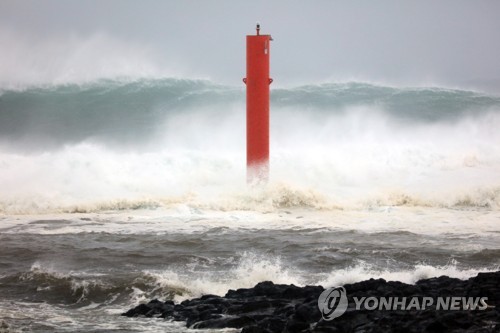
(258,82)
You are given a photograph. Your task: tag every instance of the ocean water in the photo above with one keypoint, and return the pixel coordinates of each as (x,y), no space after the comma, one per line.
(114,192)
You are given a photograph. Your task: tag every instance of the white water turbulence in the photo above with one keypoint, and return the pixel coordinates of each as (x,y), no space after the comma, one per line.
(114,192)
(113,144)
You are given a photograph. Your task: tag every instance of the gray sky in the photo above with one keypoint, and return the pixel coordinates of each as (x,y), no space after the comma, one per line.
(453,43)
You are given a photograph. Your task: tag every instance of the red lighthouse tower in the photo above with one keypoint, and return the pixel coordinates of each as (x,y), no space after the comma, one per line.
(257,82)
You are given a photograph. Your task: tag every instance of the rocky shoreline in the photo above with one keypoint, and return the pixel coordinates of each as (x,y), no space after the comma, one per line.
(270,307)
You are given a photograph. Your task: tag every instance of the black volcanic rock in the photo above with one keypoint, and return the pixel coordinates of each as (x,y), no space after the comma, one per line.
(270,307)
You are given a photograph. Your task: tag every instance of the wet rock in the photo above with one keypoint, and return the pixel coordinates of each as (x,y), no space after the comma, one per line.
(269,308)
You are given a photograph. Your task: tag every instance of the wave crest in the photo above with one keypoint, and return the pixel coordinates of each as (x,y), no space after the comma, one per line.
(271,198)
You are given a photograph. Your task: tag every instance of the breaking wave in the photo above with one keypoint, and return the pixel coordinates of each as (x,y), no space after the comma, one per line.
(153,143)
(80,289)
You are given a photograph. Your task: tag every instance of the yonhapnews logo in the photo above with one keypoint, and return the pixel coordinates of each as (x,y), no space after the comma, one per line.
(333,302)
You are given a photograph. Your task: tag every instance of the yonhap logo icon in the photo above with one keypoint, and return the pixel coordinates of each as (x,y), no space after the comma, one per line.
(332,303)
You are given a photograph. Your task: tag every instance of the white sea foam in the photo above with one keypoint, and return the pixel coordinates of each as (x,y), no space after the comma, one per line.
(250,270)
(365,271)
(185,219)
(324,156)
(89,178)
(253,269)
(41,316)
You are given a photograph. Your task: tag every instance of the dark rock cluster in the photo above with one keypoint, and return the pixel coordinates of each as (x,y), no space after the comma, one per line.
(270,307)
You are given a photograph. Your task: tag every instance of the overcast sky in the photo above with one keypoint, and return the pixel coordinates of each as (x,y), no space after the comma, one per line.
(453,43)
